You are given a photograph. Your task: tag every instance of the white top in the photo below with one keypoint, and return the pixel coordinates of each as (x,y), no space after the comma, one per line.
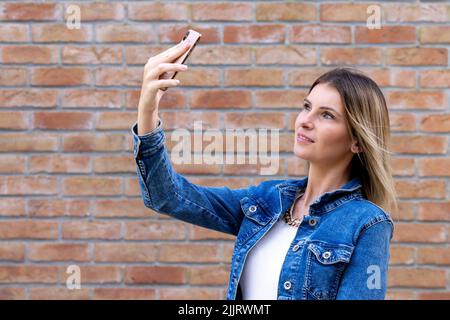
(259,279)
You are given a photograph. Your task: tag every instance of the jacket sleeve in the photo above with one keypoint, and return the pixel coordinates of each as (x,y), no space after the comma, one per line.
(167,192)
(365,278)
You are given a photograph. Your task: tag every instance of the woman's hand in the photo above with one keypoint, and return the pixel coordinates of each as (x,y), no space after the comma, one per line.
(150,92)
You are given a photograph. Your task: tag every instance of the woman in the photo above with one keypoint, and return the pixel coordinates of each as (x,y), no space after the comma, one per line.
(325,236)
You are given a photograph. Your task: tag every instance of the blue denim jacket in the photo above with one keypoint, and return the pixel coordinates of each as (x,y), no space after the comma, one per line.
(341,249)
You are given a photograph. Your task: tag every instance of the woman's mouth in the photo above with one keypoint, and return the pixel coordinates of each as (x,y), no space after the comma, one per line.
(303,139)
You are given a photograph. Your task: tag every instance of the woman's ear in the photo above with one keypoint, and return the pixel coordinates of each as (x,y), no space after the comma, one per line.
(355,148)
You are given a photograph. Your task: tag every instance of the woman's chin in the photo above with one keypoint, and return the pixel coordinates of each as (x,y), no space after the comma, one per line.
(301,153)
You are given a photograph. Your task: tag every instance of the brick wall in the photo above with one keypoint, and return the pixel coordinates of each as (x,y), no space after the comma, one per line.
(68,187)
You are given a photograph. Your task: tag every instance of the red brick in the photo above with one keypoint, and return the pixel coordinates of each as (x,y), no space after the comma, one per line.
(415,12)
(63,120)
(435,78)
(267,33)
(118,76)
(92,98)
(435,123)
(403,166)
(419,278)
(155,230)
(387,34)
(59,294)
(351,56)
(28,185)
(13,32)
(98,11)
(28,97)
(222,11)
(87,142)
(295,55)
(124,294)
(238,120)
(12,293)
(429,188)
(209,275)
(279,99)
(126,252)
(23,229)
(107,208)
(60,33)
(12,206)
(58,207)
(29,54)
(12,251)
(430,255)
(402,121)
(12,164)
(186,120)
(434,167)
(92,186)
(91,230)
(61,76)
(115,120)
(401,255)
(316,33)
(14,121)
(216,99)
(124,33)
(417,56)
(416,100)
(58,252)
(419,233)
(59,164)
(159,11)
(419,144)
(191,252)
(434,295)
(29,11)
(28,274)
(91,55)
(434,34)
(96,274)
(191,294)
(13,76)
(254,77)
(285,11)
(434,211)
(352,12)
(155,275)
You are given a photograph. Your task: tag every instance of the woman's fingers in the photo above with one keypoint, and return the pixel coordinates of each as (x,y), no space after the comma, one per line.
(157,71)
(170,54)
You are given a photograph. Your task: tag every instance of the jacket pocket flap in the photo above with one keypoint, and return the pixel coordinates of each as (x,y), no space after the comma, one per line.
(329,253)
(254,211)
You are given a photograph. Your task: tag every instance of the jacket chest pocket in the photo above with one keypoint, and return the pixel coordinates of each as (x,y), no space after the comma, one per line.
(255,218)
(326,263)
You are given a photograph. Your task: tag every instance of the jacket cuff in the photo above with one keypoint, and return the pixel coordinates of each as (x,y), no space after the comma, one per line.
(149,142)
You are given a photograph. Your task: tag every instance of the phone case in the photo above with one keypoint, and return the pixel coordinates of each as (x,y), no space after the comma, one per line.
(191,37)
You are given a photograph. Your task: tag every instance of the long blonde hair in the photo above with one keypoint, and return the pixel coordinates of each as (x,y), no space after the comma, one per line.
(367,122)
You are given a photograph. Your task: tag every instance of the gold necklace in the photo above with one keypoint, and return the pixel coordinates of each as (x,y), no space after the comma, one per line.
(288,216)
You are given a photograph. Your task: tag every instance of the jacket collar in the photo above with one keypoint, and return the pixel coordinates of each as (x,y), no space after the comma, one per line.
(351,189)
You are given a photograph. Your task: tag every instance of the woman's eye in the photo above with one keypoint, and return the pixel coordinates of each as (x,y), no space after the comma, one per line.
(327,115)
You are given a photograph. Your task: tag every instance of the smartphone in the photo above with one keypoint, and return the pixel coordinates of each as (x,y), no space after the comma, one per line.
(191,37)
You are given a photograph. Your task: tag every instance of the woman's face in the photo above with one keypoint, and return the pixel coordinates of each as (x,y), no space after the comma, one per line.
(326,127)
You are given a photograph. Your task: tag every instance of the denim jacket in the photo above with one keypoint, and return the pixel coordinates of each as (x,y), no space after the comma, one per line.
(340,251)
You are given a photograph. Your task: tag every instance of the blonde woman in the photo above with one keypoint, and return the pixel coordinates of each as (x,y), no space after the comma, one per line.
(323,236)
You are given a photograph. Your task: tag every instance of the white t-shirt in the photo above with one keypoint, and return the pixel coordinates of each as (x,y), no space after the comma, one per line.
(259,279)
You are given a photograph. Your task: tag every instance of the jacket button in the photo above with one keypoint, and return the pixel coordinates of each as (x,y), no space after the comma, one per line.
(287,285)
(252,208)
(326,254)
(295,248)
(312,222)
